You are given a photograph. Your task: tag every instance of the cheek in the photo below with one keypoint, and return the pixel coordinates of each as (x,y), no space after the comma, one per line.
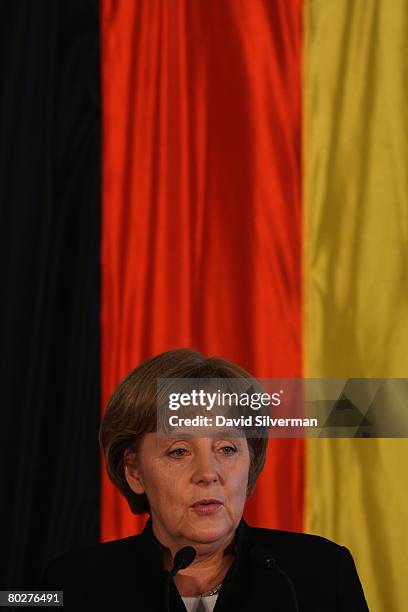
(163,487)
(244,486)
(239,482)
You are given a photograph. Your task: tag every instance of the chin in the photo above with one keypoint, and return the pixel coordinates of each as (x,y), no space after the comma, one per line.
(207,530)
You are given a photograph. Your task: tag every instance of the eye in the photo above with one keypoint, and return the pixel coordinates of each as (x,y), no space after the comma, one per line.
(228,450)
(177,452)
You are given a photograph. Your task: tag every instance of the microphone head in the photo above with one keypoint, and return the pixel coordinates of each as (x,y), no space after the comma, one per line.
(263,557)
(184,557)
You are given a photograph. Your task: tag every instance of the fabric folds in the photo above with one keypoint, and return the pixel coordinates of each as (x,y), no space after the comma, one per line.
(201,237)
(356,302)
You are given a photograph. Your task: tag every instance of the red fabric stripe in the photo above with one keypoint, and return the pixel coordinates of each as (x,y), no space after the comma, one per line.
(201,239)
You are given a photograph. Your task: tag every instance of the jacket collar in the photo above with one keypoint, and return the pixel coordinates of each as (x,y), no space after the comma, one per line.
(252,578)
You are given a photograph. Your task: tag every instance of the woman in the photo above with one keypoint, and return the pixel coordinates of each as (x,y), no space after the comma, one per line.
(195,488)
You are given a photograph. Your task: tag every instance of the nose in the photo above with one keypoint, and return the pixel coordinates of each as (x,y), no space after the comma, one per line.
(205,470)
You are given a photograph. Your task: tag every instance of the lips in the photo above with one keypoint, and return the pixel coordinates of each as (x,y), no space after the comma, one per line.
(207,506)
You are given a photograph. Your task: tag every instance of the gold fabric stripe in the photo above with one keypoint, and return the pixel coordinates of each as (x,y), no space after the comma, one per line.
(356,271)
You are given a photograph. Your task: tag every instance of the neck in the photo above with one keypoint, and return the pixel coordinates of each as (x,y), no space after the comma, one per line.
(209,568)
(205,573)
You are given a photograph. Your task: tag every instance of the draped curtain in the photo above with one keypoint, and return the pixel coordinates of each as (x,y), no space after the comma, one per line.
(201,236)
(49,311)
(252,204)
(356,237)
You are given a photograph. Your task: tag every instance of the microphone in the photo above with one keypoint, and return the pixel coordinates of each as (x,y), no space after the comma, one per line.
(182,559)
(289,582)
(261,555)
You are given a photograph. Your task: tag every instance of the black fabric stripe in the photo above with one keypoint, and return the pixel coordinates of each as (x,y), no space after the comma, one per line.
(50,263)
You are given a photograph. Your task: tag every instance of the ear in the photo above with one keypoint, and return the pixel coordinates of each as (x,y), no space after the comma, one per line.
(132,473)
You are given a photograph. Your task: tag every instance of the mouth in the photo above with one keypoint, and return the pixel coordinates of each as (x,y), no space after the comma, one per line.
(206,506)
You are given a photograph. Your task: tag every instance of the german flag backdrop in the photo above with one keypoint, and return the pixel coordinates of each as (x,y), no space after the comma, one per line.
(226,175)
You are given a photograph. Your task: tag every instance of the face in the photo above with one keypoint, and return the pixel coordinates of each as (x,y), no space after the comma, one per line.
(196,487)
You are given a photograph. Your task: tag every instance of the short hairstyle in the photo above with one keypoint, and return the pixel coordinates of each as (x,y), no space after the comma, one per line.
(131,413)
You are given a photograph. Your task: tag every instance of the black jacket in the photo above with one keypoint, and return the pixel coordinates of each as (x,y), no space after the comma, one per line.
(273,571)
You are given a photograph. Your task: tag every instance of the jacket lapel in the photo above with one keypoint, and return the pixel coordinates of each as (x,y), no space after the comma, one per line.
(253,582)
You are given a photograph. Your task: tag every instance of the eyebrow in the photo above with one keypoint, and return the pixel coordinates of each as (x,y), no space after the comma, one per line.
(220,435)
